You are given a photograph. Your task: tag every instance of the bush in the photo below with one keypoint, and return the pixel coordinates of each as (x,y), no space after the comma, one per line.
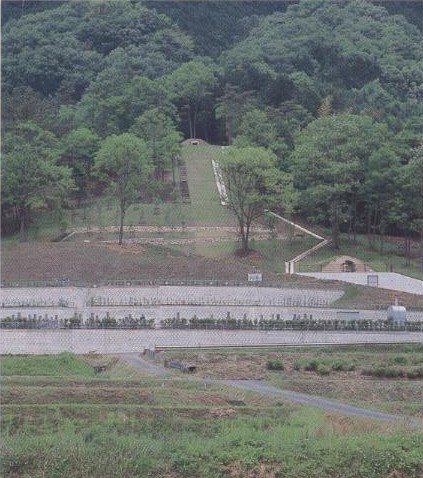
(323,370)
(415,373)
(297,366)
(384,372)
(399,360)
(275,364)
(311,366)
(341,366)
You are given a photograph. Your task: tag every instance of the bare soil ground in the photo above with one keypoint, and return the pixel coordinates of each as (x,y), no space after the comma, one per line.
(96,262)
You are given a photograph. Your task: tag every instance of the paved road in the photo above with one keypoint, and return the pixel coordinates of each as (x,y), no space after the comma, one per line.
(386,280)
(304,399)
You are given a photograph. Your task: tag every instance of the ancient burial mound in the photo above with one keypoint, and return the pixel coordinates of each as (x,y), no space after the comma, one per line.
(194,142)
(346,264)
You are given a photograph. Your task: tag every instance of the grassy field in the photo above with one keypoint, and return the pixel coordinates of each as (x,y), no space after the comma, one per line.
(59,419)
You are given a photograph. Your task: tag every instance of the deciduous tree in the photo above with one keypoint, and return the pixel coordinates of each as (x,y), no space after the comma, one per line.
(79,148)
(253,184)
(329,163)
(192,85)
(31,177)
(124,161)
(162,137)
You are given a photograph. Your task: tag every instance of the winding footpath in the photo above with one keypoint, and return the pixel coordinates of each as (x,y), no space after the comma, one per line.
(260,387)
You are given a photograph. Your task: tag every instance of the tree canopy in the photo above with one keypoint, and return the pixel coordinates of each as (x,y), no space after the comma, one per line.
(269,75)
(254,184)
(124,163)
(31,177)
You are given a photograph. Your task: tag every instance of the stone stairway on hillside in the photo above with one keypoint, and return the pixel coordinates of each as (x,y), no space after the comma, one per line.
(183,184)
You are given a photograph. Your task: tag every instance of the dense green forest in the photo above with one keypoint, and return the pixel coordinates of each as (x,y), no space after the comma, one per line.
(333,90)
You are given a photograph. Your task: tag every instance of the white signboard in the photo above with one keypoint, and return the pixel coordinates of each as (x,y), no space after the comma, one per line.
(256,277)
(373,280)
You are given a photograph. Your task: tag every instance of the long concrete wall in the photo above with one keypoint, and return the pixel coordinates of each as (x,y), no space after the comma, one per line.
(126,341)
(161,302)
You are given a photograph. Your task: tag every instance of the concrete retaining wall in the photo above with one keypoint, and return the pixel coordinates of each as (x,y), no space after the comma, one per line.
(124,341)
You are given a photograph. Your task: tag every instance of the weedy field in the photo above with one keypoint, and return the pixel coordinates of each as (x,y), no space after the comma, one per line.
(61,418)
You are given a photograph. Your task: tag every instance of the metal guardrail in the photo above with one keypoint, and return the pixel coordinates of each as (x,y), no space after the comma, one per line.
(164,348)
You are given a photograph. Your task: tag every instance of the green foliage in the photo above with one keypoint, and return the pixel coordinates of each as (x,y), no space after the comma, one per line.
(124,162)
(79,148)
(384,372)
(110,67)
(192,86)
(61,50)
(163,139)
(121,444)
(253,184)
(330,162)
(257,129)
(32,178)
(348,43)
(275,364)
(325,365)
(70,422)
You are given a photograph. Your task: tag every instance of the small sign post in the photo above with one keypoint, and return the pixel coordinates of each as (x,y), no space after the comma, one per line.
(373,280)
(255,277)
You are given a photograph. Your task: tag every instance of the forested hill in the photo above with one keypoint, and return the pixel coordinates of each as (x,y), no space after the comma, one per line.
(294,78)
(202,10)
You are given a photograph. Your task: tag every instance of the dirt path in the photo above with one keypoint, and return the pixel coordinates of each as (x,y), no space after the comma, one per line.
(164,235)
(136,361)
(315,401)
(302,398)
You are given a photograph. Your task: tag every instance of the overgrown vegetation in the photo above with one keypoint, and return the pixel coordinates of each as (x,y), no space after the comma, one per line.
(76,423)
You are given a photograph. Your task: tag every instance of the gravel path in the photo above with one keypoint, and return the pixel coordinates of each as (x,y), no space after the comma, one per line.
(136,361)
(160,235)
(302,398)
(315,401)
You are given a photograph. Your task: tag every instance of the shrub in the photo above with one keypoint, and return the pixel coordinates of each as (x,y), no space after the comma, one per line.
(297,366)
(275,364)
(311,366)
(323,370)
(341,366)
(384,372)
(415,373)
(399,360)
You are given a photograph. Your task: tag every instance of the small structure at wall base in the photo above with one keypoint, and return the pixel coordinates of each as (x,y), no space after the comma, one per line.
(397,313)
